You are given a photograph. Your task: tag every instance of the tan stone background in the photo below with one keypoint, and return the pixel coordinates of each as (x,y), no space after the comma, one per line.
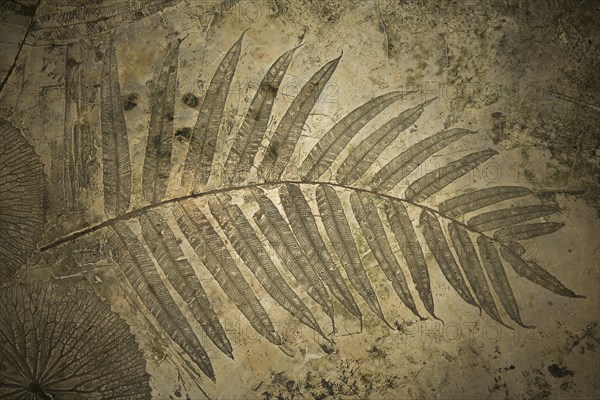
(523,74)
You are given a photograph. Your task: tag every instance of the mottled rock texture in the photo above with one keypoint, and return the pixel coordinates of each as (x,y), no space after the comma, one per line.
(301,199)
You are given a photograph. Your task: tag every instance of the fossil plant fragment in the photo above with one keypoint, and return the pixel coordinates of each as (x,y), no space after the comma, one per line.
(59,342)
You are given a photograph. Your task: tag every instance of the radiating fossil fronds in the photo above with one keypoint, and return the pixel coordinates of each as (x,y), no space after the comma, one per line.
(248,246)
(211,249)
(406,237)
(373,231)
(467,255)
(438,244)
(60,342)
(139,269)
(335,140)
(365,154)
(22,192)
(340,234)
(410,159)
(305,228)
(278,233)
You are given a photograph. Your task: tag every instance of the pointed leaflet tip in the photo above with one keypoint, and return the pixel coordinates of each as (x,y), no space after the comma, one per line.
(243,33)
(323,335)
(179,40)
(336,60)
(213,378)
(386,322)
(427,102)
(521,324)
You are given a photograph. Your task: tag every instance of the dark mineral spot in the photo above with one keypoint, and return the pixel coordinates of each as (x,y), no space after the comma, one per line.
(328,386)
(71,62)
(558,371)
(130,101)
(377,353)
(326,348)
(190,100)
(183,133)
(272,152)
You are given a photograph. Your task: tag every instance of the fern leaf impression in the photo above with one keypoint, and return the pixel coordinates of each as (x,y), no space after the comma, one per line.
(273,233)
(116,165)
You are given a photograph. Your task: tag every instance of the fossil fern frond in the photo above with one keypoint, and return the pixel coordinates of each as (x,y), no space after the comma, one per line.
(308,222)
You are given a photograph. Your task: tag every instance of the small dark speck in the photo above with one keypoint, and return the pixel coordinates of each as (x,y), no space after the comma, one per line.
(183,133)
(509,368)
(71,62)
(130,101)
(326,348)
(559,372)
(190,100)
(272,151)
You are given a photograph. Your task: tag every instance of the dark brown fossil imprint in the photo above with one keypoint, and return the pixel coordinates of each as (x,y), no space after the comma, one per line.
(363,202)
(22,191)
(59,342)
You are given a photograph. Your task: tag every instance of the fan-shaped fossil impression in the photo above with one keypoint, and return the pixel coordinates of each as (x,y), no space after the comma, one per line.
(22,188)
(64,343)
